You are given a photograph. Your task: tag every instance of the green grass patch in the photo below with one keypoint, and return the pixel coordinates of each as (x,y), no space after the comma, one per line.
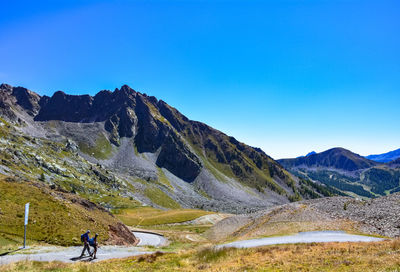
(212,254)
(156,114)
(160,198)
(147,216)
(8,244)
(4,128)
(162,178)
(197,229)
(117,202)
(101,150)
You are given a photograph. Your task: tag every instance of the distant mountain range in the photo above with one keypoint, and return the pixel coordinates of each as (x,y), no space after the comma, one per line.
(348,172)
(385,157)
(311,153)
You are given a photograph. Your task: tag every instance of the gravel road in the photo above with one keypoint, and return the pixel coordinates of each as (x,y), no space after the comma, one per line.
(70,254)
(150,239)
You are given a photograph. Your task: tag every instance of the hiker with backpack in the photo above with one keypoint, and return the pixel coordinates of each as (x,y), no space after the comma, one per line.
(93,243)
(85,240)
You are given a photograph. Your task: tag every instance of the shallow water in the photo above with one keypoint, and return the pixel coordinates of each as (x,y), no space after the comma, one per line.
(303,237)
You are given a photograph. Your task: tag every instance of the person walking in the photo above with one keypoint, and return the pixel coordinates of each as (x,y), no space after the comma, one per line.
(85,240)
(93,243)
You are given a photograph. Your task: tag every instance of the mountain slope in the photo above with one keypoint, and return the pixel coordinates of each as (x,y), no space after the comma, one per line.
(385,157)
(125,148)
(394,164)
(347,172)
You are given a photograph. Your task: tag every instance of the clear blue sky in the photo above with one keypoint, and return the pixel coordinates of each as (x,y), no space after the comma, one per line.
(287,76)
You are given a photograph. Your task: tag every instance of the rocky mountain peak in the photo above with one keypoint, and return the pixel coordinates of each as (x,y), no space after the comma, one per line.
(27,99)
(18,97)
(184,147)
(65,107)
(125,92)
(5,86)
(125,88)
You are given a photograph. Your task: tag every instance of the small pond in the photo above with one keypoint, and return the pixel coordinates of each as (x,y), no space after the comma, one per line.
(303,237)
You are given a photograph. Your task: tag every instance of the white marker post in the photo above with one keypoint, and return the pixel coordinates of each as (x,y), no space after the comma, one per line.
(26,221)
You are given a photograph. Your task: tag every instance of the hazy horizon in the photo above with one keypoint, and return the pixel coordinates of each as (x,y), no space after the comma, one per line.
(289,77)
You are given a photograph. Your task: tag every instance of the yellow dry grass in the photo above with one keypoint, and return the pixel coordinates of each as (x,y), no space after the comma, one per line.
(147,216)
(381,256)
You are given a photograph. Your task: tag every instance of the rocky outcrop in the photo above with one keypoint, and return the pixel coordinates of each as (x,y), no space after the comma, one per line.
(178,159)
(151,132)
(17,99)
(120,235)
(28,100)
(69,108)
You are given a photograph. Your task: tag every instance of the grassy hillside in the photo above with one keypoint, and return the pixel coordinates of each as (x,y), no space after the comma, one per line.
(54,217)
(381,180)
